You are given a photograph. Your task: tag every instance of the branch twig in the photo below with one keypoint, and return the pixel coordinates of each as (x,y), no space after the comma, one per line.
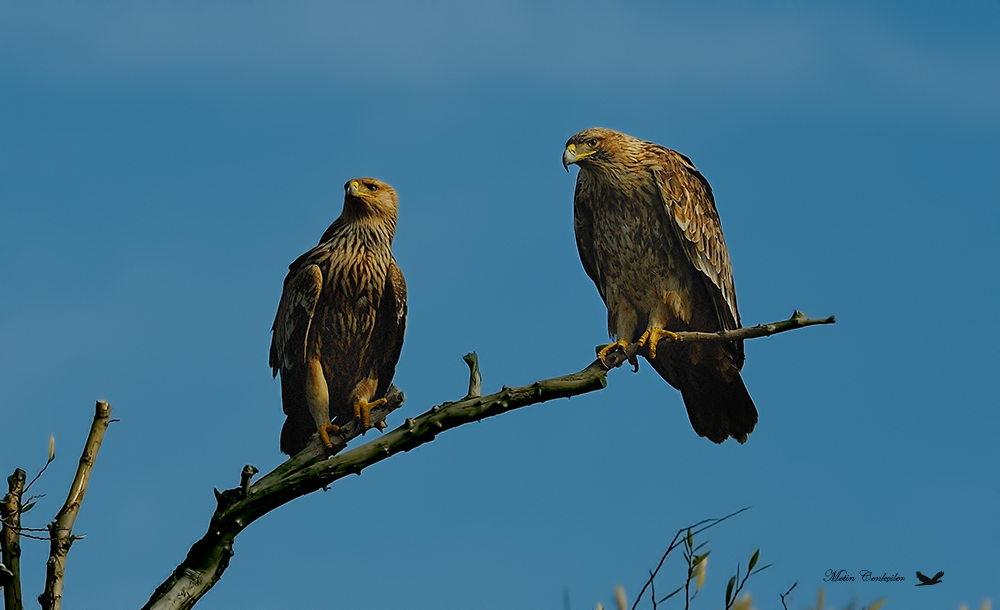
(786,594)
(750,572)
(798,320)
(61,529)
(692,530)
(10,509)
(475,379)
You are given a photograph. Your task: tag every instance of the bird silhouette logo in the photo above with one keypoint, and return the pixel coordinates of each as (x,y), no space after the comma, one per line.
(929,581)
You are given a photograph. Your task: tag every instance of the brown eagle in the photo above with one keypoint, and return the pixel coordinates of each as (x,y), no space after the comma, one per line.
(339,327)
(650,238)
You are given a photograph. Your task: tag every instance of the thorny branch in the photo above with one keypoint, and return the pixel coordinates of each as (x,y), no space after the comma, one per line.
(314,468)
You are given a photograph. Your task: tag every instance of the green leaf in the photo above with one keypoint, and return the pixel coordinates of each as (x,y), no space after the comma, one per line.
(690,539)
(699,559)
(877,604)
(729,590)
(27,507)
(753,560)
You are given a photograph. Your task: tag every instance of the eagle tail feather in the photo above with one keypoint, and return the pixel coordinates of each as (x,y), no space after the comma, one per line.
(718,407)
(296,431)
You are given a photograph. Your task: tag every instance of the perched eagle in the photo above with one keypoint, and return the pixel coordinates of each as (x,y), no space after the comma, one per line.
(339,327)
(650,238)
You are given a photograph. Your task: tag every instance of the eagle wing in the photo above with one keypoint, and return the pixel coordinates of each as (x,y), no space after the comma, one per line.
(289,341)
(583,225)
(690,211)
(390,324)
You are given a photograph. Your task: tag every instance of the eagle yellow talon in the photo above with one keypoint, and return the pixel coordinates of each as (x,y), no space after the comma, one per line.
(653,336)
(363,410)
(607,349)
(324,433)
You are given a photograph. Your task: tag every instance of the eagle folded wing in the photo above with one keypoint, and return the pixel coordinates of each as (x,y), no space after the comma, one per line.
(584,231)
(294,318)
(390,325)
(690,209)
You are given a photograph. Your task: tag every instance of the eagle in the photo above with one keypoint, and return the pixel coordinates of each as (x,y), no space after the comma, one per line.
(338,332)
(650,238)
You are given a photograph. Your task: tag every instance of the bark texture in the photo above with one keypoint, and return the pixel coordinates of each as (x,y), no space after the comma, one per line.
(10,539)
(61,529)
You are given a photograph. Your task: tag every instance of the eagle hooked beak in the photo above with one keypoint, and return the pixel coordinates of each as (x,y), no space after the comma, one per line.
(353,189)
(570,155)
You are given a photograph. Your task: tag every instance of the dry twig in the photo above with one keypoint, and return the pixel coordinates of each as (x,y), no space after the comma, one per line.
(61,529)
(679,539)
(798,320)
(10,510)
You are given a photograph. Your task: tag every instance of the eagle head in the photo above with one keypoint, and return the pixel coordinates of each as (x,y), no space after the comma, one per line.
(592,146)
(370,197)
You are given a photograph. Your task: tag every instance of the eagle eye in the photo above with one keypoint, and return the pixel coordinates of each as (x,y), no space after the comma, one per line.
(592,142)
(372,187)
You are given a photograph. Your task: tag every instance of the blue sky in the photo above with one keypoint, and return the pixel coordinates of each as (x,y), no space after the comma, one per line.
(162,163)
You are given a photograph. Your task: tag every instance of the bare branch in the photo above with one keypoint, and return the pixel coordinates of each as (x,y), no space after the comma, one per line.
(10,509)
(60,530)
(309,471)
(313,468)
(52,456)
(798,320)
(209,557)
(652,589)
(23,535)
(786,594)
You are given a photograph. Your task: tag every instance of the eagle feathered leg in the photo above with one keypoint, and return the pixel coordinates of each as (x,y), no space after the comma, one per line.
(653,336)
(318,401)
